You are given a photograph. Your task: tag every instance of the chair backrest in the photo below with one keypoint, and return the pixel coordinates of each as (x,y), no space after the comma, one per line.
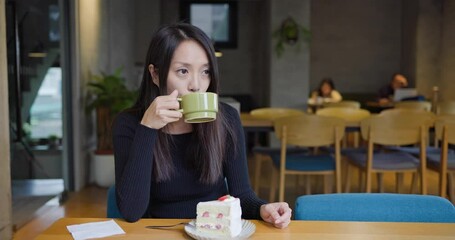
(397,127)
(372,207)
(310,130)
(445,123)
(416,105)
(446,108)
(112,209)
(347,114)
(275,113)
(343,104)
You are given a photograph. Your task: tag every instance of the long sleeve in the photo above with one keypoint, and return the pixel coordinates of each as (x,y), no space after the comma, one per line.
(139,195)
(133,151)
(336,96)
(386,92)
(236,171)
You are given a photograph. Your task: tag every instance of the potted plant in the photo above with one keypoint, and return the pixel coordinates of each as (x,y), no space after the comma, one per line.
(289,33)
(53,141)
(107,96)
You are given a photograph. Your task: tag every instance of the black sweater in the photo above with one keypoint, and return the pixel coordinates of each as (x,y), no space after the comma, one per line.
(139,195)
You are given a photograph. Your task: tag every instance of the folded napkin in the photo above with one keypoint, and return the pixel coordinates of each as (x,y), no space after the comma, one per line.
(95,230)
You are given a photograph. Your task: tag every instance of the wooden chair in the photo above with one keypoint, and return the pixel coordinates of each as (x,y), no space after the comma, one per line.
(308,131)
(446,108)
(348,114)
(263,153)
(414,105)
(405,111)
(394,129)
(444,162)
(351,116)
(275,113)
(343,104)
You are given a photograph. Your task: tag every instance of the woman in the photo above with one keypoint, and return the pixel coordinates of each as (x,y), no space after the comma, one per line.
(164,166)
(325,93)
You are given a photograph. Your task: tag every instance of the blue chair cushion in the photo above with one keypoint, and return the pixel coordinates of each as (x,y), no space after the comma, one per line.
(372,207)
(416,150)
(306,162)
(112,209)
(386,161)
(346,151)
(435,160)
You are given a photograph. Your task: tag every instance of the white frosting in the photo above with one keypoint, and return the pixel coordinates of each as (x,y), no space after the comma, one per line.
(220,217)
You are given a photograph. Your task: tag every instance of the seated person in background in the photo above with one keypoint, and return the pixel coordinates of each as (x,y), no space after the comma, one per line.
(386,93)
(325,93)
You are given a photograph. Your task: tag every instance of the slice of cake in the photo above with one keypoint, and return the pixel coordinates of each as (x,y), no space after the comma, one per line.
(221,217)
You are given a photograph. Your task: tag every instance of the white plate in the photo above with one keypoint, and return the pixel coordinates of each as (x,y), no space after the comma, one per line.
(248,228)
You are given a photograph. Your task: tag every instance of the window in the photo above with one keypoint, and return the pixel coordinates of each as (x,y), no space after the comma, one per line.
(218,19)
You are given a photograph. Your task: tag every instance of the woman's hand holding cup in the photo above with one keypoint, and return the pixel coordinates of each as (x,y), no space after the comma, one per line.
(162,111)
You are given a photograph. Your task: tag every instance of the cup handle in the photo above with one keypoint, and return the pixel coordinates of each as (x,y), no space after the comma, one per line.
(180,102)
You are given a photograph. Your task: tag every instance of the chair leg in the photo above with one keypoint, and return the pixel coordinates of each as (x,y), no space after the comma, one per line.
(368,182)
(380,177)
(361,181)
(451,186)
(443,184)
(257,172)
(347,178)
(272,190)
(356,139)
(282,187)
(415,177)
(399,182)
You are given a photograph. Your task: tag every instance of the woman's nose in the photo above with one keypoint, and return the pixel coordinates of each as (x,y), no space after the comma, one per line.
(194,84)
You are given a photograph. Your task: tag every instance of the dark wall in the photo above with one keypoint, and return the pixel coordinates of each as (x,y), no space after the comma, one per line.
(358,43)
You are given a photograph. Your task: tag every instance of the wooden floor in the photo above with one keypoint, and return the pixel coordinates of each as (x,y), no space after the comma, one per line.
(91,201)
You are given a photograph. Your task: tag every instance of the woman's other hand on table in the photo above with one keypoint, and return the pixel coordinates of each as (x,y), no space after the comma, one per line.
(278,214)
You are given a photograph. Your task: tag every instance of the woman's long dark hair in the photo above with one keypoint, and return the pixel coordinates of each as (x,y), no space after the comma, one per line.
(209,148)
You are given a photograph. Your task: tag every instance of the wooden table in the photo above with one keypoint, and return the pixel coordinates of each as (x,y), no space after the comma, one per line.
(251,123)
(297,230)
(376,107)
(256,125)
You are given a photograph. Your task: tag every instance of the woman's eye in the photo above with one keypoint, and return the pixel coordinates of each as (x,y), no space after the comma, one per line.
(182,71)
(206,72)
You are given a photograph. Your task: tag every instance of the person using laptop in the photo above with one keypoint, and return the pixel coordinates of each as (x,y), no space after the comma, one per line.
(387,92)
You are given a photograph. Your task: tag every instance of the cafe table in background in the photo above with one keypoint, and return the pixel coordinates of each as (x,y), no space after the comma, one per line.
(296,230)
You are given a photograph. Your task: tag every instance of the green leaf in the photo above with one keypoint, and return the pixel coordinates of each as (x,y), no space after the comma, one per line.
(109,90)
(290,29)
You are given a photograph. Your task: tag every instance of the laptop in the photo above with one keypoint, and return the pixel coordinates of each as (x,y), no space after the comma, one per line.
(403,93)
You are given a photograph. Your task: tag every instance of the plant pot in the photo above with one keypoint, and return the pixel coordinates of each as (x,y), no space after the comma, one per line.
(103,169)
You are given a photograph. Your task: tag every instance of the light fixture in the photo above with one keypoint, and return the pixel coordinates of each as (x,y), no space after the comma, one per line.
(37,54)
(38,51)
(218,53)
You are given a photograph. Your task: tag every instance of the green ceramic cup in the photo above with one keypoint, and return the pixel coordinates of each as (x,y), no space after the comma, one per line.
(199,107)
